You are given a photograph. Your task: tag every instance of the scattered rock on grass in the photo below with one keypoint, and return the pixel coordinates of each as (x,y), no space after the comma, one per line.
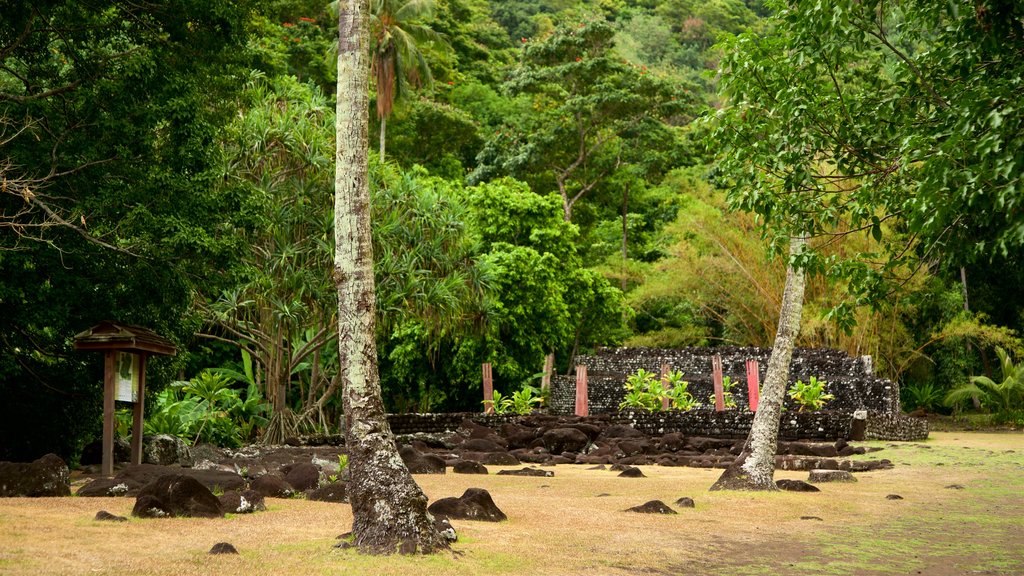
(469,467)
(302,476)
(527,472)
(796,486)
(818,518)
(103,515)
(474,504)
(333,492)
(177,495)
(272,486)
(817,476)
(893,497)
(685,502)
(420,463)
(245,502)
(47,476)
(632,472)
(223,548)
(652,507)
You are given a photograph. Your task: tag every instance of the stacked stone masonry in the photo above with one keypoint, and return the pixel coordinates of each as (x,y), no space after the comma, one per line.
(850,379)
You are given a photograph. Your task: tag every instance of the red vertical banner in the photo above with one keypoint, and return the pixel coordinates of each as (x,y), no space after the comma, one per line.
(488,389)
(664,384)
(753,384)
(582,400)
(716,375)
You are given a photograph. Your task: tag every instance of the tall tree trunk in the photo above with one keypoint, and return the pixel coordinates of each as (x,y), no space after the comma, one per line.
(754,468)
(625,236)
(383,130)
(389,509)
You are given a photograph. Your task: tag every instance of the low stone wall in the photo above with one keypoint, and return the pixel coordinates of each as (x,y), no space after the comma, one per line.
(850,379)
(734,424)
(896,427)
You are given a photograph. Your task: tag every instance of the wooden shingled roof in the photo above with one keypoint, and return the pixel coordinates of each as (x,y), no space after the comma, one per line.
(109,335)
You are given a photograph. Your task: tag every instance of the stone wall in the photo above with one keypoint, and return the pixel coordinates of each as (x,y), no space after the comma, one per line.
(824,425)
(851,380)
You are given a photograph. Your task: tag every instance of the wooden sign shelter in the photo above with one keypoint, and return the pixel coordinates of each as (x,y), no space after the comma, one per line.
(125,349)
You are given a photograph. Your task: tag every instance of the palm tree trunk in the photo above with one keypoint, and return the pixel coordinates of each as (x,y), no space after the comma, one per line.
(383,129)
(389,510)
(754,468)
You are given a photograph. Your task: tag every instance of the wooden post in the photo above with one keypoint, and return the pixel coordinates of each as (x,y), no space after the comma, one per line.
(109,383)
(582,400)
(488,389)
(137,411)
(753,384)
(716,375)
(664,384)
(549,367)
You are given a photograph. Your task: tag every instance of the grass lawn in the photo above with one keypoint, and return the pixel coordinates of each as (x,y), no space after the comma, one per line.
(574,523)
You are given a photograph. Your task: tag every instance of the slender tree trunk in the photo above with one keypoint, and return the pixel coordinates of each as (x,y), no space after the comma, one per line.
(625,236)
(389,510)
(383,130)
(754,468)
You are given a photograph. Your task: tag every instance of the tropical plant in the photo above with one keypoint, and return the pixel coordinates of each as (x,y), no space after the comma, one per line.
(810,395)
(677,392)
(644,390)
(522,401)
(399,39)
(728,400)
(922,395)
(1001,398)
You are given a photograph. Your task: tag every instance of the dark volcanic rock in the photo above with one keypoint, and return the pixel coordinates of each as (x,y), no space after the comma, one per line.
(93,452)
(817,476)
(796,486)
(177,495)
(129,481)
(107,487)
(482,445)
(420,463)
(103,515)
(500,459)
(469,467)
(303,476)
(558,440)
(223,548)
(272,486)
(165,450)
(474,504)
(246,502)
(631,472)
(652,507)
(333,492)
(526,472)
(685,502)
(445,528)
(621,431)
(47,476)
(893,497)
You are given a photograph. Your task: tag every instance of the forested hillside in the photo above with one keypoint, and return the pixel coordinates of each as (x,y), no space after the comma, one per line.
(549,176)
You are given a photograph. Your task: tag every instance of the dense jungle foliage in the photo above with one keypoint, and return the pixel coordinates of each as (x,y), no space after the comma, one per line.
(552,176)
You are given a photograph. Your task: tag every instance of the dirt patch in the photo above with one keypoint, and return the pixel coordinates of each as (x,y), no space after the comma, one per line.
(573,523)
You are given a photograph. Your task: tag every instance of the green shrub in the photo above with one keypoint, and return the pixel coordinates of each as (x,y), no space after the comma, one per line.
(1005,397)
(645,391)
(811,395)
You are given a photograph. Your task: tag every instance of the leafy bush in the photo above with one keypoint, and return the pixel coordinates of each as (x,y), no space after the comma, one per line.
(810,395)
(925,396)
(1005,397)
(727,398)
(645,390)
(522,401)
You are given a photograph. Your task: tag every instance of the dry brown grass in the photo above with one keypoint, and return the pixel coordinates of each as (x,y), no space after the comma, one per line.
(559,525)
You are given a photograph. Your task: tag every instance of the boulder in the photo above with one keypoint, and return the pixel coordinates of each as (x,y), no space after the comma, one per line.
(245,502)
(47,476)
(631,472)
(558,440)
(177,495)
(223,548)
(527,472)
(621,431)
(796,486)
(500,459)
(92,453)
(474,504)
(302,476)
(419,463)
(482,445)
(332,492)
(445,528)
(105,516)
(109,487)
(685,502)
(818,476)
(469,467)
(165,450)
(272,486)
(652,507)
